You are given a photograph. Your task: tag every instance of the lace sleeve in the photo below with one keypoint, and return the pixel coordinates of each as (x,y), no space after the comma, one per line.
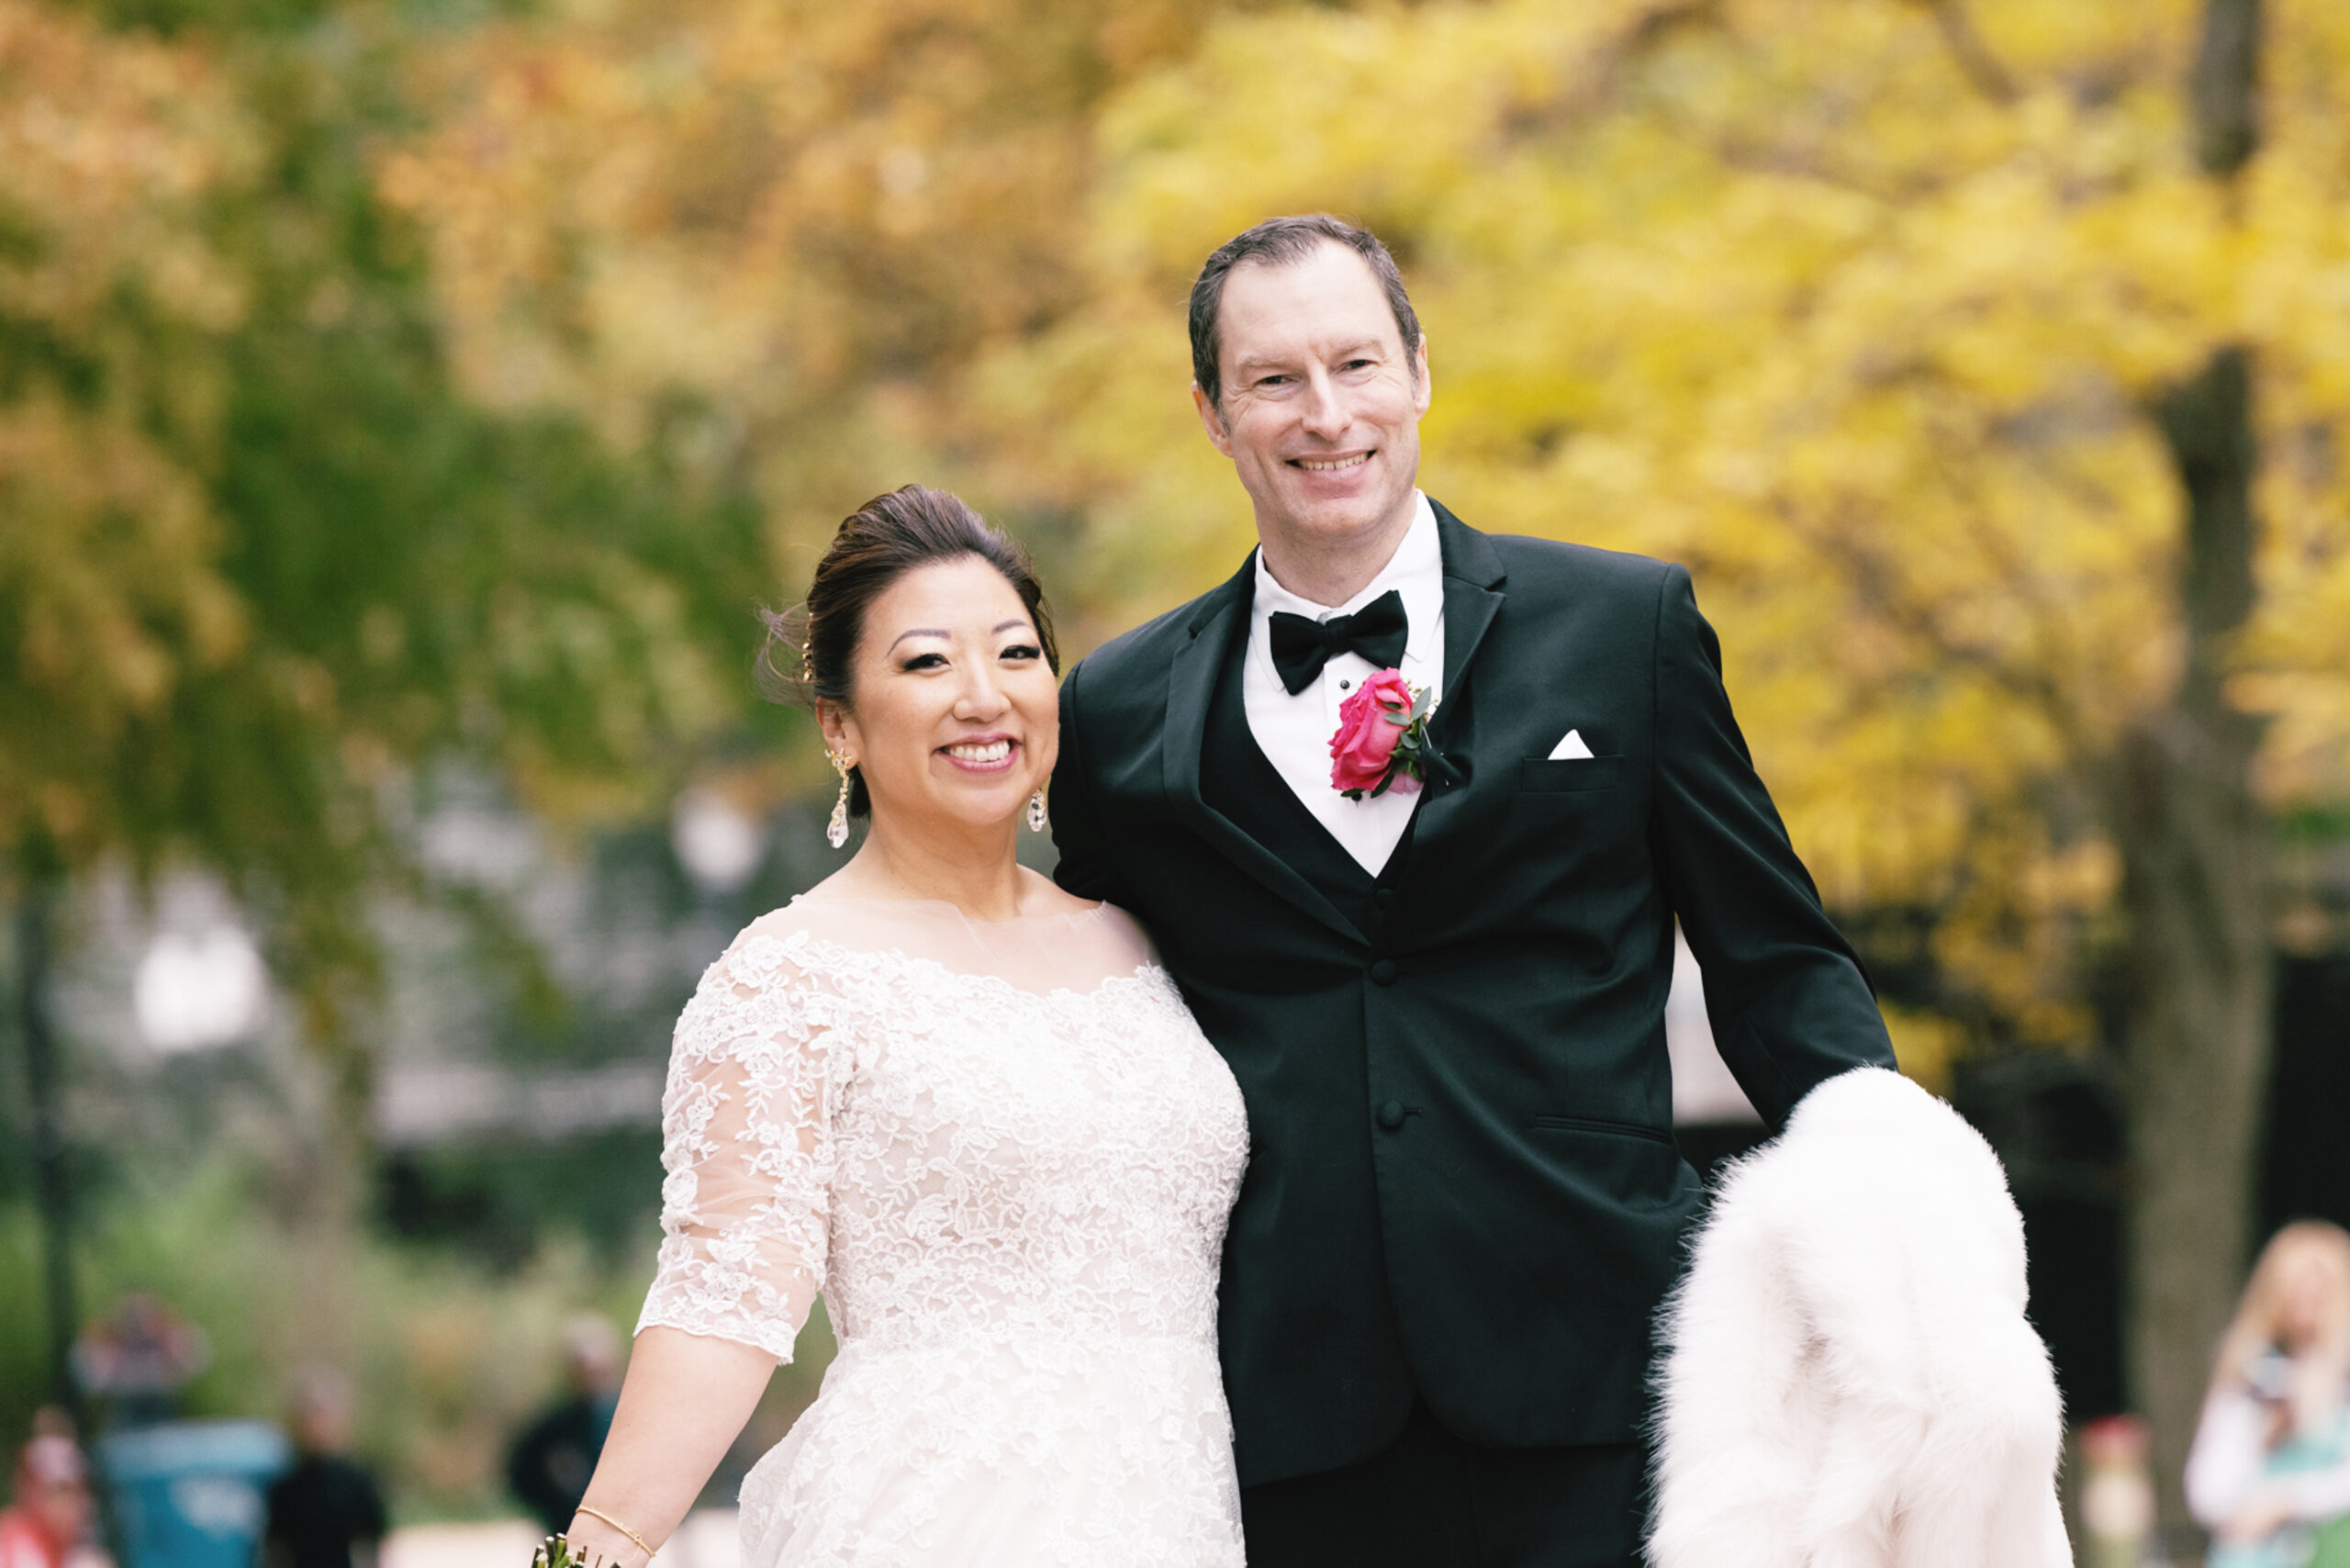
(746,1139)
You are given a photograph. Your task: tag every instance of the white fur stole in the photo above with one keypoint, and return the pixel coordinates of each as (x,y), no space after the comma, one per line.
(1848,1379)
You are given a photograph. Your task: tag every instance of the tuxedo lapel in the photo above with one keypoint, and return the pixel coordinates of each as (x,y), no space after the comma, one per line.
(1473,580)
(1190,687)
(1473,576)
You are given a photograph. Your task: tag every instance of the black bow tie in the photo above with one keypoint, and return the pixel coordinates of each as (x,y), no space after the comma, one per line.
(1300,647)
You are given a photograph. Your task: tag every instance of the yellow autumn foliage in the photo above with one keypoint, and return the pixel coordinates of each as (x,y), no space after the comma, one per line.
(112,296)
(1854,306)
(759,232)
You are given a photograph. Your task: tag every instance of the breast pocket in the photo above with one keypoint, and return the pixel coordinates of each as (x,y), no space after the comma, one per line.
(1568,775)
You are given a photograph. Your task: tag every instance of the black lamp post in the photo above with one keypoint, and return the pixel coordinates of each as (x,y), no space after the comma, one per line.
(52,1186)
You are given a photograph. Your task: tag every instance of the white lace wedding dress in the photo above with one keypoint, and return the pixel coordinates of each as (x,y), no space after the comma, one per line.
(1005,1154)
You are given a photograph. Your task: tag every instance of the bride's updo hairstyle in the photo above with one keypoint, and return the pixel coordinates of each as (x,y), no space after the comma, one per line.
(878,543)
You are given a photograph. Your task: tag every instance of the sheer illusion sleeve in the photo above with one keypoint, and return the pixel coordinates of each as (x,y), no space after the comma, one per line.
(746,1139)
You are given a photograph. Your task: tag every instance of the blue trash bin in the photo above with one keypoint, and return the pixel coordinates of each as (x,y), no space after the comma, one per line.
(193,1494)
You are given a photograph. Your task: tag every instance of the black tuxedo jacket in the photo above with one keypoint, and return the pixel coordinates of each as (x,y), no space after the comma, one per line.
(1462,1181)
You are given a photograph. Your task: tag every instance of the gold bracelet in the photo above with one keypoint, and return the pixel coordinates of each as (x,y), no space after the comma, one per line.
(595,1514)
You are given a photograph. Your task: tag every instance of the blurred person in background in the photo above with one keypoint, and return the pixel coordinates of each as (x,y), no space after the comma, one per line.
(326,1512)
(2270,1467)
(136,1360)
(50,1507)
(550,1463)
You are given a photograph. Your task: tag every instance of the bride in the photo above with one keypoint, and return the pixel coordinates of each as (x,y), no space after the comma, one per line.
(969,1109)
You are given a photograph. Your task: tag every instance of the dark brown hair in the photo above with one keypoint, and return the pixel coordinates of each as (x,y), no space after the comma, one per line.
(878,543)
(1281,243)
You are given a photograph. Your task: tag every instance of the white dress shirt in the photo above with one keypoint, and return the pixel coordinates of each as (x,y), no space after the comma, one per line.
(1294,732)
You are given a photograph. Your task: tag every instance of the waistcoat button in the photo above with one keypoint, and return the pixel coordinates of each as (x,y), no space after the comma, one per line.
(1390,1115)
(1382,971)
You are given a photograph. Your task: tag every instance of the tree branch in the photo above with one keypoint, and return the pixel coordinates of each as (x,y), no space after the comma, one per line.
(1975,62)
(1601,76)
(2225,87)
(2207,422)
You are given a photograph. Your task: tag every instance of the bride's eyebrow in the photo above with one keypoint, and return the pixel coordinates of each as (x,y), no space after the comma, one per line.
(999,628)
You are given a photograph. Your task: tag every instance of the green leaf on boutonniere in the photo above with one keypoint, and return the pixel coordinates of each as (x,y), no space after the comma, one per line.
(1404,761)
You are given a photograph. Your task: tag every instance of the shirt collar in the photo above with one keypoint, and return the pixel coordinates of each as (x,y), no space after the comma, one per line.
(1419,557)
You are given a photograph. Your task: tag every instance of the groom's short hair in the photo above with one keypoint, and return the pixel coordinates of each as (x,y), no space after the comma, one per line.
(1280,242)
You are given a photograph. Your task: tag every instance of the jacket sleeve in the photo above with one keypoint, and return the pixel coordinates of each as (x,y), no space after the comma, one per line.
(1788,1003)
(1077,831)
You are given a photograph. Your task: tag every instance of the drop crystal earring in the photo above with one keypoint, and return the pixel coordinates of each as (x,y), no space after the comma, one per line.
(836,830)
(1036,818)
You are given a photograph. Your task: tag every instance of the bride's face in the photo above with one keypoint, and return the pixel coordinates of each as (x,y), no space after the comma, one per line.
(953,712)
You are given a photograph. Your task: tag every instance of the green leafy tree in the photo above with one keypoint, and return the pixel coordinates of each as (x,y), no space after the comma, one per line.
(260,565)
(262,559)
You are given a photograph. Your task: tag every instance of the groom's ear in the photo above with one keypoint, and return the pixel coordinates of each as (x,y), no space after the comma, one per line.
(1213,418)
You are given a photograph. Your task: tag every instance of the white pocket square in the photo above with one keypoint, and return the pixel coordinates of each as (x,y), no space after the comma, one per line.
(1570,746)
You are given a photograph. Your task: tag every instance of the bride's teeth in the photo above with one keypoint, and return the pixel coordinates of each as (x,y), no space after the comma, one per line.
(994,751)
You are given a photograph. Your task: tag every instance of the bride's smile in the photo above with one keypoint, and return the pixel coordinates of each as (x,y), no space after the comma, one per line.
(993,755)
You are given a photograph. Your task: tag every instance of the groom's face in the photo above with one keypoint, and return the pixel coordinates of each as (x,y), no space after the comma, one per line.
(1321,405)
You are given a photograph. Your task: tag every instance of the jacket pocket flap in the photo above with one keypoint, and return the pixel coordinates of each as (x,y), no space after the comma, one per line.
(1603,1127)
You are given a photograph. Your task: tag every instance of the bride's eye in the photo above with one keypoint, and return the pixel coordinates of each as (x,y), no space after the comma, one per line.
(925,661)
(1022,651)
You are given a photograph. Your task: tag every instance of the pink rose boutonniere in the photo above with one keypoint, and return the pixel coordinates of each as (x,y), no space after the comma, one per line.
(1382,736)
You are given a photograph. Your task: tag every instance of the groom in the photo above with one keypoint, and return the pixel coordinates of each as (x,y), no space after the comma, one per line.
(1444,1002)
